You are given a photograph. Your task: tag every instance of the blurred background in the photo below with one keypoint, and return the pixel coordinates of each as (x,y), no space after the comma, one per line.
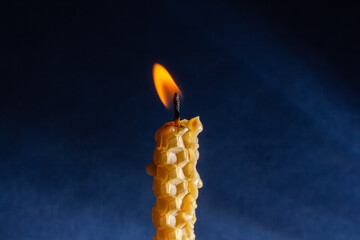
(276,85)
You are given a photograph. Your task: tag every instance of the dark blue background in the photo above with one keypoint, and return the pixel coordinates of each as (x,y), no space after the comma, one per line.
(276,86)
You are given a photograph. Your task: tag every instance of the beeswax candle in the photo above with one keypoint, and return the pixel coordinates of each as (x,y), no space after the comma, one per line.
(176,180)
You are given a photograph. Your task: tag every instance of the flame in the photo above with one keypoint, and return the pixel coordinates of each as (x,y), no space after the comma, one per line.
(165,85)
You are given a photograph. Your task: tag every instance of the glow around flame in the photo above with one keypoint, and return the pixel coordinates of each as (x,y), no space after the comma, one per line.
(165,85)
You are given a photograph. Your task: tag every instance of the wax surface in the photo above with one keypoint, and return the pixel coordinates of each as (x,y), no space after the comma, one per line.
(176,180)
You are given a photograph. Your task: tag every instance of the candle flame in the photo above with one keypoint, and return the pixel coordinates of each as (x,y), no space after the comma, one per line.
(165,85)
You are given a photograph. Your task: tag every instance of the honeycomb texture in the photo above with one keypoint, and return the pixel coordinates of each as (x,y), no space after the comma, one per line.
(176,180)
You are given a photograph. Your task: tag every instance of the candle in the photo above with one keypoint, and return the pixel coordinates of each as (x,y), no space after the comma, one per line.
(176,180)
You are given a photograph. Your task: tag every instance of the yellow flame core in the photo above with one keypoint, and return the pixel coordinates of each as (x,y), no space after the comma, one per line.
(164,84)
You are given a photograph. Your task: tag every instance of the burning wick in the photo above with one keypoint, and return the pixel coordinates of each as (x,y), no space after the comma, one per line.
(177,109)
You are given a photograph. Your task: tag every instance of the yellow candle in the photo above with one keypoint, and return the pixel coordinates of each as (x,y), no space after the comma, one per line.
(176,180)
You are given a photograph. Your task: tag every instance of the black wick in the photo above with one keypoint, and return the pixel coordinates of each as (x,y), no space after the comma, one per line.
(177,109)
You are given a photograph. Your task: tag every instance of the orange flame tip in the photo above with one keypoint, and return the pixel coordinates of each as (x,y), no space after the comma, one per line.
(165,85)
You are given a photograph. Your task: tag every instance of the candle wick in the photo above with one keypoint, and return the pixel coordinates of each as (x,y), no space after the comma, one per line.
(177,109)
